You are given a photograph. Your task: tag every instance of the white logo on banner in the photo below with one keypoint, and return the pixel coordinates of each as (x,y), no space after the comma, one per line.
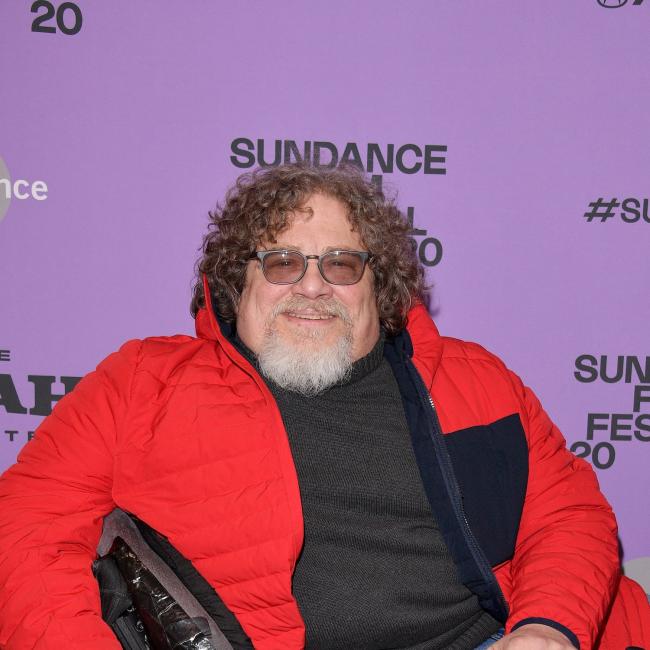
(19,189)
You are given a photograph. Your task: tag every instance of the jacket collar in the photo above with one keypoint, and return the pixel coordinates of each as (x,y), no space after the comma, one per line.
(425,342)
(206,323)
(420,341)
(209,327)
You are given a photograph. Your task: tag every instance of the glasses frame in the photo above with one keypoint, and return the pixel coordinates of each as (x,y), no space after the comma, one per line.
(261,256)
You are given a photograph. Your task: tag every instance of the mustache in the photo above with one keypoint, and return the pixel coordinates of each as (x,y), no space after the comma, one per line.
(321,306)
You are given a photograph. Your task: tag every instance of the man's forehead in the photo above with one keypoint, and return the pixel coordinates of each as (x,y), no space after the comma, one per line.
(332,230)
(326,239)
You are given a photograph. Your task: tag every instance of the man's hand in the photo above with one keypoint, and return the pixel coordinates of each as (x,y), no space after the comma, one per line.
(534,637)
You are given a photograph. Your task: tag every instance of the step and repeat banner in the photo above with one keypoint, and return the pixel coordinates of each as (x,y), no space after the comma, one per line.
(515,135)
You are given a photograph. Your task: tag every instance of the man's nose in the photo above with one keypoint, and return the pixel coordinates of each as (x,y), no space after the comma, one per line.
(312,284)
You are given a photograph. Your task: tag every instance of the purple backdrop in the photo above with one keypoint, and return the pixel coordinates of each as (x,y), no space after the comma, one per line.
(121,123)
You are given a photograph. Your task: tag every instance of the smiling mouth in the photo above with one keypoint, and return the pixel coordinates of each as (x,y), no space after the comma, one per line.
(315,317)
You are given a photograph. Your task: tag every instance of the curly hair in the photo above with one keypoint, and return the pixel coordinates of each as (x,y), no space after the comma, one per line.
(260,206)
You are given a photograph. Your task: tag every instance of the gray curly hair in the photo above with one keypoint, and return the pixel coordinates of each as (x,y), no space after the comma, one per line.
(259,207)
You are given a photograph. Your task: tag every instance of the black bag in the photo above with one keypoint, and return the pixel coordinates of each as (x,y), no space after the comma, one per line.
(137,563)
(141,612)
(117,605)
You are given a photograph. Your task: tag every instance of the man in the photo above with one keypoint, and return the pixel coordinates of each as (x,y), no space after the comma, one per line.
(328,463)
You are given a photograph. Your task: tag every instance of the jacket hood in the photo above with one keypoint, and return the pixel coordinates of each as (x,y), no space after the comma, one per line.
(206,324)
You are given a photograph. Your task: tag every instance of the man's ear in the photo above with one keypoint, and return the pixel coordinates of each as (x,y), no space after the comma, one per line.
(236,296)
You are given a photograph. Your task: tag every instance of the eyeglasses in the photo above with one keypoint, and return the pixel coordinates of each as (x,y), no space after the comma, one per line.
(336,267)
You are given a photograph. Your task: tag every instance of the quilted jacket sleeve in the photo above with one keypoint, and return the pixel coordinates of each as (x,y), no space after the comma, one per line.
(52,502)
(566,565)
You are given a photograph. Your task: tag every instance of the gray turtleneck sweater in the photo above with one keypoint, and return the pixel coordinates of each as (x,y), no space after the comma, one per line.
(374,571)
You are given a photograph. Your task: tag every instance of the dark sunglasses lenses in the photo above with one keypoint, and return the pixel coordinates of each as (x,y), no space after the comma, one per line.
(287,267)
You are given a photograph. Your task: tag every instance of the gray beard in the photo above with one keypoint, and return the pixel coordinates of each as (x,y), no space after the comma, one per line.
(307,371)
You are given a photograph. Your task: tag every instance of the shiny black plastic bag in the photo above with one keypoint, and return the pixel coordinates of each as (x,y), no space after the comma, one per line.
(117,605)
(167,625)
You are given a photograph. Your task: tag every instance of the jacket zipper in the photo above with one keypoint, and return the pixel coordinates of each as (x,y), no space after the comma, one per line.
(451,482)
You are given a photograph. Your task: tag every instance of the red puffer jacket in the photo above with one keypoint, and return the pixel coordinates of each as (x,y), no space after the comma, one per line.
(184,434)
